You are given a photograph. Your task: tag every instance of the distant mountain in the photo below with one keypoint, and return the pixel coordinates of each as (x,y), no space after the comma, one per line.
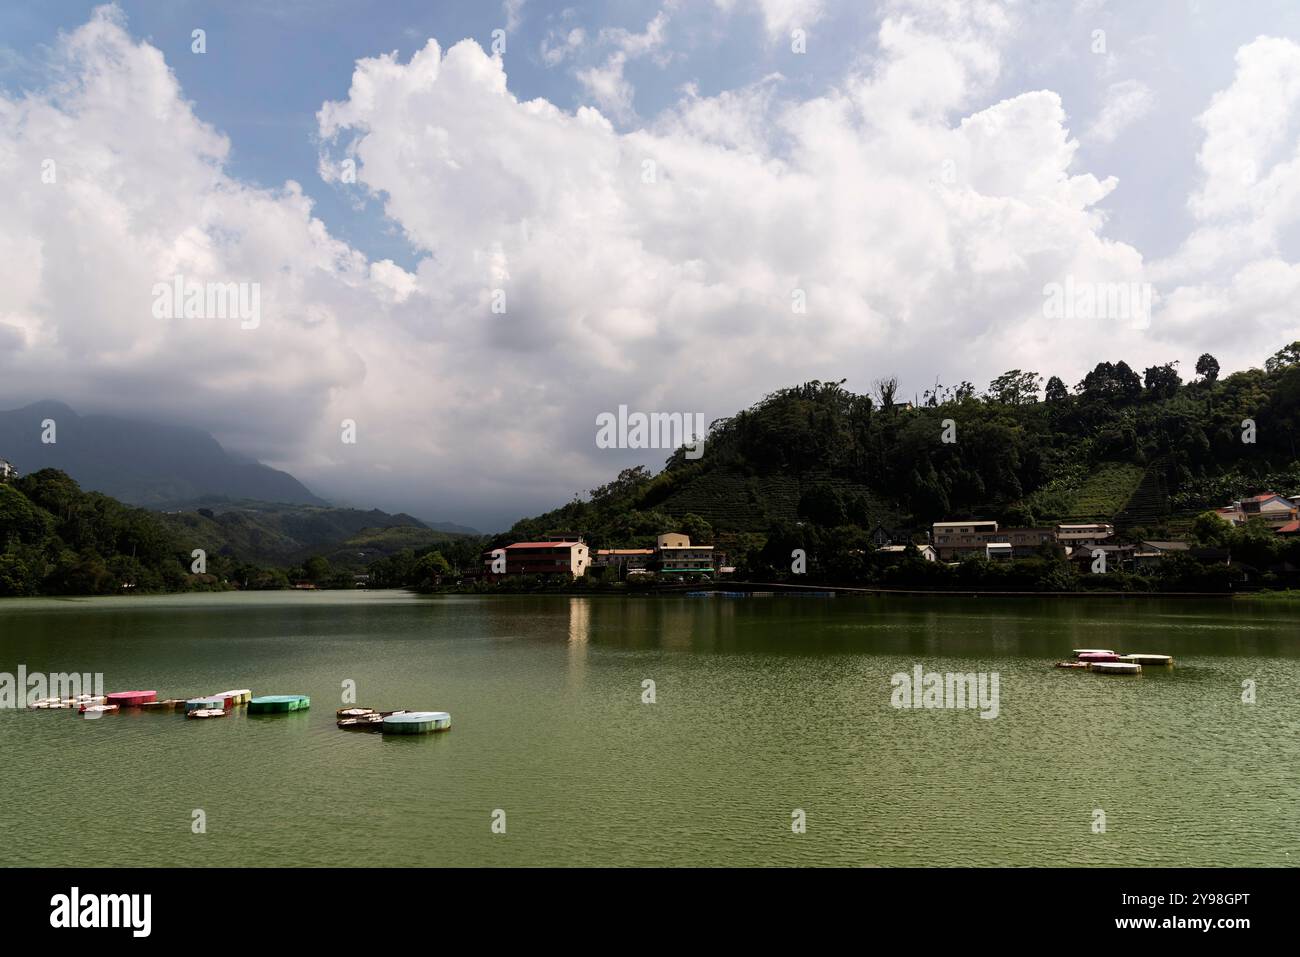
(141,463)
(279,534)
(453,528)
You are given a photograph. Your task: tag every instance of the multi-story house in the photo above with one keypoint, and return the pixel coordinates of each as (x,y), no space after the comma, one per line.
(954,541)
(677,556)
(567,557)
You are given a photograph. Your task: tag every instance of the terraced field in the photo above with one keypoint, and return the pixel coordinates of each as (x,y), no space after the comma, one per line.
(1148,505)
(1106,491)
(1086,495)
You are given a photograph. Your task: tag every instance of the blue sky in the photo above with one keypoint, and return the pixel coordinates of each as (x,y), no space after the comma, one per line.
(919,174)
(270,66)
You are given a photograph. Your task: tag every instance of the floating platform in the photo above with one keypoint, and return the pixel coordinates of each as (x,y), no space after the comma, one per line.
(1081,665)
(279,704)
(206,713)
(417,722)
(95,710)
(170,704)
(233,699)
(1077,652)
(1114,668)
(1097,656)
(206,703)
(65,704)
(353,712)
(132,699)
(368,720)
(1150,659)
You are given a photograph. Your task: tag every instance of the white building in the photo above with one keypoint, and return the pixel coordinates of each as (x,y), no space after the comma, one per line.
(1093,533)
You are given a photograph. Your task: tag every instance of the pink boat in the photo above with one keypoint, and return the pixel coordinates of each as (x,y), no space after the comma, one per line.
(1096,656)
(132,699)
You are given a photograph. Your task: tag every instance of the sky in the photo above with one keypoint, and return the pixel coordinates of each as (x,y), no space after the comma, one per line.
(475,227)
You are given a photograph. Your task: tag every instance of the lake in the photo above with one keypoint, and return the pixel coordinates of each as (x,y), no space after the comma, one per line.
(763,707)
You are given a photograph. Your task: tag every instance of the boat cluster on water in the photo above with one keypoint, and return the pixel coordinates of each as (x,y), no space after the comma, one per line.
(393,722)
(1107,662)
(208,706)
(221,704)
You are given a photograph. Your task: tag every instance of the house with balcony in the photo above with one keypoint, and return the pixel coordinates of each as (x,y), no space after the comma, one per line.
(7,472)
(564,557)
(626,561)
(1086,534)
(1275,510)
(954,541)
(677,556)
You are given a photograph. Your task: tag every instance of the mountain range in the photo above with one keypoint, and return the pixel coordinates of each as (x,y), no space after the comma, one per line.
(166,467)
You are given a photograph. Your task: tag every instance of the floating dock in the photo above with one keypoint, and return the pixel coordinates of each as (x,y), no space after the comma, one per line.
(1150,659)
(204,704)
(279,704)
(95,710)
(233,699)
(132,699)
(1114,668)
(1107,662)
(170,704)
(363,719)
(417,722)
(66,704)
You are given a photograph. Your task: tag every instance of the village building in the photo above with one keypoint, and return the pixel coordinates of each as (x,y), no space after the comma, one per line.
(1151,553)
(626,561)
(897,552)
(1275,510)
(677,556)
(562,557)
(1093,533)
(954,541)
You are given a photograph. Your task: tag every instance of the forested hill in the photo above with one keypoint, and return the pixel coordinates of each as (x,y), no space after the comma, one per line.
(58,539)
(1147,451)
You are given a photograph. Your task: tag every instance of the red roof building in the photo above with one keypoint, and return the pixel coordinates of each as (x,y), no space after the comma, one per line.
(539,558)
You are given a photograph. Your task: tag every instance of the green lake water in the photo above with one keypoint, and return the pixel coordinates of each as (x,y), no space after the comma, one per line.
(762,706)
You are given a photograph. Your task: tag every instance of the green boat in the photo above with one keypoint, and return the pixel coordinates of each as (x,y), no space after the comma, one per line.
(279,704)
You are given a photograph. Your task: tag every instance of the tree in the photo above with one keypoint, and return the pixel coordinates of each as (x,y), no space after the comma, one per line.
(1210,529)
(697,529)
(1207,367)
(430,568)
(316,568)
(823,505)
(629,482)
(20,520)
(1284,357)
(885,390)
(1129,383)
(1163,381)
(1015,388)
(1109,381)
(1055,390)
